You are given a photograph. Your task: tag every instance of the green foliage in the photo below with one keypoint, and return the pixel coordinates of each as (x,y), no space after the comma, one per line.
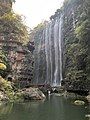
(40,26)
(83,29)
(75,75)
(82,33)
(4,64)
(77,42)
(13,28)
(7,88)
(4,8)
(2,57)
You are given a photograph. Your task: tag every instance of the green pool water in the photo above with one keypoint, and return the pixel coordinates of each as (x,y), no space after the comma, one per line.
(53,108)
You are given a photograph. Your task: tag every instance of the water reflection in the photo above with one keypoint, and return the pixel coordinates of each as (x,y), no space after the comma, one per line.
(5,110)
(54,108)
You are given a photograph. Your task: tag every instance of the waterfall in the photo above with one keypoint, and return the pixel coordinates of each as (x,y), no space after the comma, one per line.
(58,52)
(53,77)
(56,38)
(37,62)
(50,46)
(60,46)
(47,53)
(52,42)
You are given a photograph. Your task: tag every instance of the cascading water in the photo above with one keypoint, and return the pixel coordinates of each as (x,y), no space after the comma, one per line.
(56,38)
(54,78)
(52,39)
(60,46)
(47,52)
(50,46)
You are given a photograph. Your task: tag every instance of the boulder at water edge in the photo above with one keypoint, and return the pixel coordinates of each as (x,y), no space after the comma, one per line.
(79,102)
(33,94)
(88,98)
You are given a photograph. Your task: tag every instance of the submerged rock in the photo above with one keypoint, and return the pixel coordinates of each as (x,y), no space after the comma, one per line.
(33,94)
(79,102)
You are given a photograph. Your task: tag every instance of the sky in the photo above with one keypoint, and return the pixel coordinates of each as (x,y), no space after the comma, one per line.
(36,11)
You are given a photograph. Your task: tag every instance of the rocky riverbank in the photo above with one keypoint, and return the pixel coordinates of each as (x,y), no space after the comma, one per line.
(8,93)
(23,95)
(61,91)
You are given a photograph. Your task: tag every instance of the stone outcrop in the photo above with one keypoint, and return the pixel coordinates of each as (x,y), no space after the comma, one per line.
(24,69)
(32,94)
(20,60)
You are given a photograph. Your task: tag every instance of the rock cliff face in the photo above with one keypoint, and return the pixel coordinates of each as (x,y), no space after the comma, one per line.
(62,47)
(21,62)
(19,57)
(25,71)
(76,40)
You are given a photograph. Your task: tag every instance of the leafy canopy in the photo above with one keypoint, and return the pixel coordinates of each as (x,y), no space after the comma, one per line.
(12,26)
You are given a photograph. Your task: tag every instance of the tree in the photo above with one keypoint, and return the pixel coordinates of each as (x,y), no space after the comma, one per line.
(12,26)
